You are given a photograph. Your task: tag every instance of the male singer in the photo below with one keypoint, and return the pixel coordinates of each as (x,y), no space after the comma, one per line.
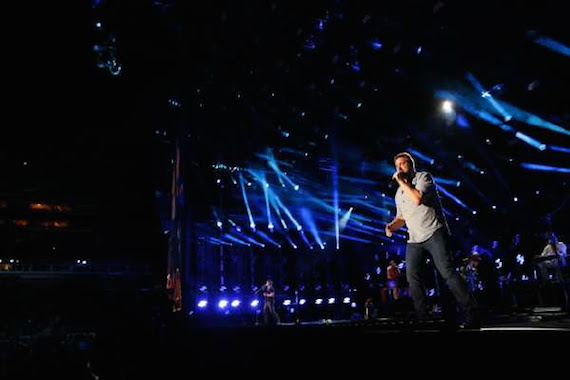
(418,206)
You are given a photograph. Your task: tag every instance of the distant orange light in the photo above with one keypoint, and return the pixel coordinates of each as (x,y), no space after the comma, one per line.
(60,224)
(40,206)
(54,224)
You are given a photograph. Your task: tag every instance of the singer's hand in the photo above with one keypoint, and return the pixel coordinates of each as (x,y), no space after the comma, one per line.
(398,176)
(388,230)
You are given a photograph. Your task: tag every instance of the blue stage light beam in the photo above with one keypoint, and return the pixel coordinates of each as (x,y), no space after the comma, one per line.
(421,156)
(373,230)
(286,210)
(488,117)
(559,149)
(353,228)
(515,112)
(219,223)
(320,202)
(292,151)
(540,167)
(305,239)
(469,185)
(487,95)
(277,211)
(365,219)
(375,44)
(335,203)
(469,106)
(462,121)
(549,43)
(291,241)
(311,225)
(272,163)
(356,180)
(530,141)
(364,228)
(219,241)
(235,239)
(348,237)
(473,167)
(354,216)
(267,207)
(252,240)
(379,210)
(453,197)
(348,221)
(479,113)
(244,194)
(385,169)
(531,119)
(281,175)
(446,181)
(507,128)
(238,228)
(267,238)
(344,220)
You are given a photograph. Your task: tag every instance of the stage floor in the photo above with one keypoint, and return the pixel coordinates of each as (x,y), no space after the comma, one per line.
(323,347)
(329,344)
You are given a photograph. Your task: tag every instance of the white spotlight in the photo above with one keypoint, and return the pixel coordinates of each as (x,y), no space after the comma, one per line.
(447,106)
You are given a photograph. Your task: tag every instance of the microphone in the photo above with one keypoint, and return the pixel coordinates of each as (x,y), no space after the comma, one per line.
(398,174)
(393,180)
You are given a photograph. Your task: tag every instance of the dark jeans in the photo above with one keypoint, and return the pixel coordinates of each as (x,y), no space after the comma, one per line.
(269,313)
(437,247)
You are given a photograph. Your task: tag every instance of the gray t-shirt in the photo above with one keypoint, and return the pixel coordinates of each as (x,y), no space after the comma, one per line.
(424,219)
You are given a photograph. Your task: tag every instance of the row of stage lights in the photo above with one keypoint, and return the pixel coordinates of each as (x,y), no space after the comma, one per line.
(17,261)
(225,303)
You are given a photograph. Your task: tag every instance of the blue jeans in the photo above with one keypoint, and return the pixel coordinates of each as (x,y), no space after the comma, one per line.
(437,247)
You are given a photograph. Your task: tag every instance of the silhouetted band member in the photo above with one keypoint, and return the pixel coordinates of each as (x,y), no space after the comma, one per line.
(270,316)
